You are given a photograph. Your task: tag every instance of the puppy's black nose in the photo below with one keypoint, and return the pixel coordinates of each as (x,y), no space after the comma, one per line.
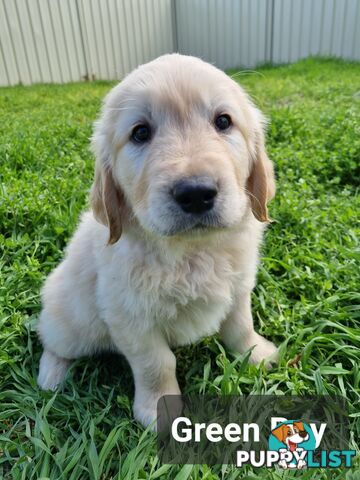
(195,195)
(303,433)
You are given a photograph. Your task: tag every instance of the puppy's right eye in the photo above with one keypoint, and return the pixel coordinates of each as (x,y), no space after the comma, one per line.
(223,122)
(141,133)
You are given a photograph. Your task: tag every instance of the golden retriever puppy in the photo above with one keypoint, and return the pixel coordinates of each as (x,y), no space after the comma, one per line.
(168,253)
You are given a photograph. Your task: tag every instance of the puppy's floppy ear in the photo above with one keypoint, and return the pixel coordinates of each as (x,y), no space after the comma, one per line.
(107,199)
(261,180)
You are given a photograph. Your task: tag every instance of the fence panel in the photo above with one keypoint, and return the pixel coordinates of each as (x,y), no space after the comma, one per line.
(316,27)
(73,40)
(227,33)
(62,41)
(118,35)
(232,33)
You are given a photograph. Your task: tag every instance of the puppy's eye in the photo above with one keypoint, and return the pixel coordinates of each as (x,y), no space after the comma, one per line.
(141,133)
(223,122)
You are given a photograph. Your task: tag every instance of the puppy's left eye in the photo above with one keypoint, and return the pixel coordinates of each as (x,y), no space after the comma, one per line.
(141,133)
(223,122)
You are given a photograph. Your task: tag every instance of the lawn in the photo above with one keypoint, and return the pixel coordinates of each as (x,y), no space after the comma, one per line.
(306,298)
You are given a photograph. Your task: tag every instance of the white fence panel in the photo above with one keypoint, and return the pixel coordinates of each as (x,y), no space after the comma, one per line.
(227,33)
(315,27)
(118,35)
(8,69)
(231,33)
(72,40)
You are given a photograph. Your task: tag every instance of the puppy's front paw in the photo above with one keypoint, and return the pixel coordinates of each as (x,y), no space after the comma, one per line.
(52,371)
(146,409)
(145,413)
(263,350)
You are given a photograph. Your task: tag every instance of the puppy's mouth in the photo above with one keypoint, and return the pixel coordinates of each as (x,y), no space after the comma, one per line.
(193,224)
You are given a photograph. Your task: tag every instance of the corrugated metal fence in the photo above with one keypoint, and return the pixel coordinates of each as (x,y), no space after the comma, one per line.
(71,40)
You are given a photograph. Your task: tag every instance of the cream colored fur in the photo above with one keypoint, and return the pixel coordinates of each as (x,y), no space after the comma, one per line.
(138,276)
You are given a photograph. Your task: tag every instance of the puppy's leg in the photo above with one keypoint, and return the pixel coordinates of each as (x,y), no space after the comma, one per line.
(59,341)
(154,368)
(237,332)
(52,370)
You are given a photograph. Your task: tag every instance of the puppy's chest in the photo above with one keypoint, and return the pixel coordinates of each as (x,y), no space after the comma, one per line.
(187,298)
(197,277)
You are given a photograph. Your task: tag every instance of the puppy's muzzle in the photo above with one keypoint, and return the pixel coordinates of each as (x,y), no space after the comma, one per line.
(195,194)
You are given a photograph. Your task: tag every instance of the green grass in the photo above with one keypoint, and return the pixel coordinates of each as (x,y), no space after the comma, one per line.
(306,298)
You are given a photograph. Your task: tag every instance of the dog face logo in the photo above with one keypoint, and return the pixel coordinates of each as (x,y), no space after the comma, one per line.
(292,435)
(292,439)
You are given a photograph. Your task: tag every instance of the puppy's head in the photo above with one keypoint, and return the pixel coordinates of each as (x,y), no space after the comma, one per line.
(179,148)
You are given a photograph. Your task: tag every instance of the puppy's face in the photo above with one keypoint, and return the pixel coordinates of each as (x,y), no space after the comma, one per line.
(181,144)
